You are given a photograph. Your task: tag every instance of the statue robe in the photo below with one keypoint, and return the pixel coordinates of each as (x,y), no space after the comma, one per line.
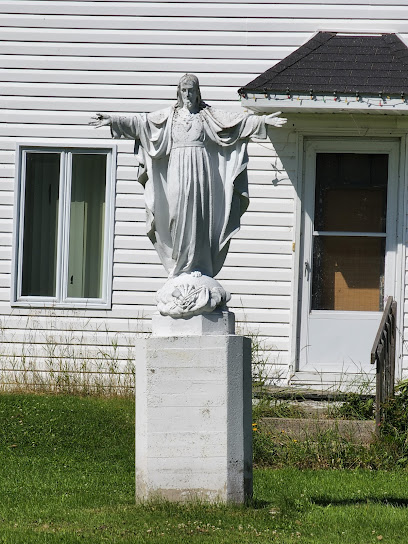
(195,180)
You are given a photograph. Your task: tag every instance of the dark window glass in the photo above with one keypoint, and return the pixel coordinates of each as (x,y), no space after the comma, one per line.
(348,273)
(350,197)
(87,219)
(351,192)
(40,224)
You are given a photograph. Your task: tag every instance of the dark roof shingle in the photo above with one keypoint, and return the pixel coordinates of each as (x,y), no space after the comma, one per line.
(331,62)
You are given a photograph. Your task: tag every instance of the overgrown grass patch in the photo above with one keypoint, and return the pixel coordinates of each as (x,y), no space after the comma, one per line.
(67,476)
(325,450)
(275,407)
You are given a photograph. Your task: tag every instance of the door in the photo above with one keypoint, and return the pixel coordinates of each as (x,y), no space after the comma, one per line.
(348,252)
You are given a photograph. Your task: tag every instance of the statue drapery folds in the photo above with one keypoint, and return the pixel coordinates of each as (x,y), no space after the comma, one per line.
(193,161)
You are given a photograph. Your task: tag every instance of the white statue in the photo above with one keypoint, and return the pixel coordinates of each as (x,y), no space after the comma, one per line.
(193,166)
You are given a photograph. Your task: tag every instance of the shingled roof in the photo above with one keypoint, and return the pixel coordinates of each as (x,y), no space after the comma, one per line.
(338,63)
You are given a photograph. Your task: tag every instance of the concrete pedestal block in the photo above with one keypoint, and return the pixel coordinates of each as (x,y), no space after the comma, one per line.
(193,418)
(217,322)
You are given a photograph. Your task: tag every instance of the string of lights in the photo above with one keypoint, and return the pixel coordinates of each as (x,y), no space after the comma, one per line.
(383,101)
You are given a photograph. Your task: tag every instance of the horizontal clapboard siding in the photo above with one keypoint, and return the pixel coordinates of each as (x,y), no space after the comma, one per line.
(60,61)
(312,10)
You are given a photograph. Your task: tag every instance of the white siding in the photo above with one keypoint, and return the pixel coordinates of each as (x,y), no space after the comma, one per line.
(60,61)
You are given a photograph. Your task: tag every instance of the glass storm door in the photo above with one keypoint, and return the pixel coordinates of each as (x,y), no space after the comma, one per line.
(347,266)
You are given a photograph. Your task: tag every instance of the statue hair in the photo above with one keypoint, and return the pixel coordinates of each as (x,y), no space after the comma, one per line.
(192,80)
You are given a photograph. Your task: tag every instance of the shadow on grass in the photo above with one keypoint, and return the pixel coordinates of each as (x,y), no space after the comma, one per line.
(258,504)
(388,501)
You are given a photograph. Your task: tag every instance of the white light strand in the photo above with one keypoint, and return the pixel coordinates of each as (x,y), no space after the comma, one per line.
(381,102)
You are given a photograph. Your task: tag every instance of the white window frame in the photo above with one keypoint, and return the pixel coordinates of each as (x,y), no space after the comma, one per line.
(61,299)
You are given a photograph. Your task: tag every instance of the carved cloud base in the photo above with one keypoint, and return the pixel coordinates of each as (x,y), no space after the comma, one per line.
(188,295)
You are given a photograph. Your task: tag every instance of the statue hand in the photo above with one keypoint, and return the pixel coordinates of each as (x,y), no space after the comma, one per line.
(274,120)
(100,120)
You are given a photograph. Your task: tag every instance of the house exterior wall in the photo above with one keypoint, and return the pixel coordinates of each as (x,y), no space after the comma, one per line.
(61,61)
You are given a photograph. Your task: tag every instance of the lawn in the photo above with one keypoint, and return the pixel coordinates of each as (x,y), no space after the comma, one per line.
(67,475)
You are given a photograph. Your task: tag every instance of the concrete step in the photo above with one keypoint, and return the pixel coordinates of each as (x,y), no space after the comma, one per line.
(298,394)
(355,431)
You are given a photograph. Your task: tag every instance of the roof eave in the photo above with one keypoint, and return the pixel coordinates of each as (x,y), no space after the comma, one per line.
(259,103)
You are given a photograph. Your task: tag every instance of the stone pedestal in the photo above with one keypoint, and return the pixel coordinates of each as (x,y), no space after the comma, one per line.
(193,415)
(217,323)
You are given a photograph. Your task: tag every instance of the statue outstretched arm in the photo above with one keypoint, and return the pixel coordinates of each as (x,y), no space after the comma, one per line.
(255,126)
(126,127)
(100,120)
(274,120)
(227,128)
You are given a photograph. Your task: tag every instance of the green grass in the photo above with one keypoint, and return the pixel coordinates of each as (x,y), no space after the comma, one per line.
(67,476)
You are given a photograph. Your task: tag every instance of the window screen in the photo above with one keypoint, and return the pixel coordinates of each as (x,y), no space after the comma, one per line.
(349,231)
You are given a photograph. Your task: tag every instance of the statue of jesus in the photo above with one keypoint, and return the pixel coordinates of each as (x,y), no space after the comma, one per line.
(193,163)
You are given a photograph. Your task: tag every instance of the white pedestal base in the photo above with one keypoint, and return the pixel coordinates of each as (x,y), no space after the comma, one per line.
(193,418)
(217,322)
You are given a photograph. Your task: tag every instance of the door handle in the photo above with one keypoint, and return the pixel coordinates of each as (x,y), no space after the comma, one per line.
(307,270)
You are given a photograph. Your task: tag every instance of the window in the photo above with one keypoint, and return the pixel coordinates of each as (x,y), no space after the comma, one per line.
(350,231)
(64,227)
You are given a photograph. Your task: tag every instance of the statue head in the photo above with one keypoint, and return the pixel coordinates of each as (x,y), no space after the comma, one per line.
(189,81)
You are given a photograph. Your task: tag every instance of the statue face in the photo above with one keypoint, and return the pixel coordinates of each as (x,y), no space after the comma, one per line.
(189,96)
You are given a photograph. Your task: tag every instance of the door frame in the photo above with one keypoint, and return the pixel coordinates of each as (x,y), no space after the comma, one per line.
(310,145)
